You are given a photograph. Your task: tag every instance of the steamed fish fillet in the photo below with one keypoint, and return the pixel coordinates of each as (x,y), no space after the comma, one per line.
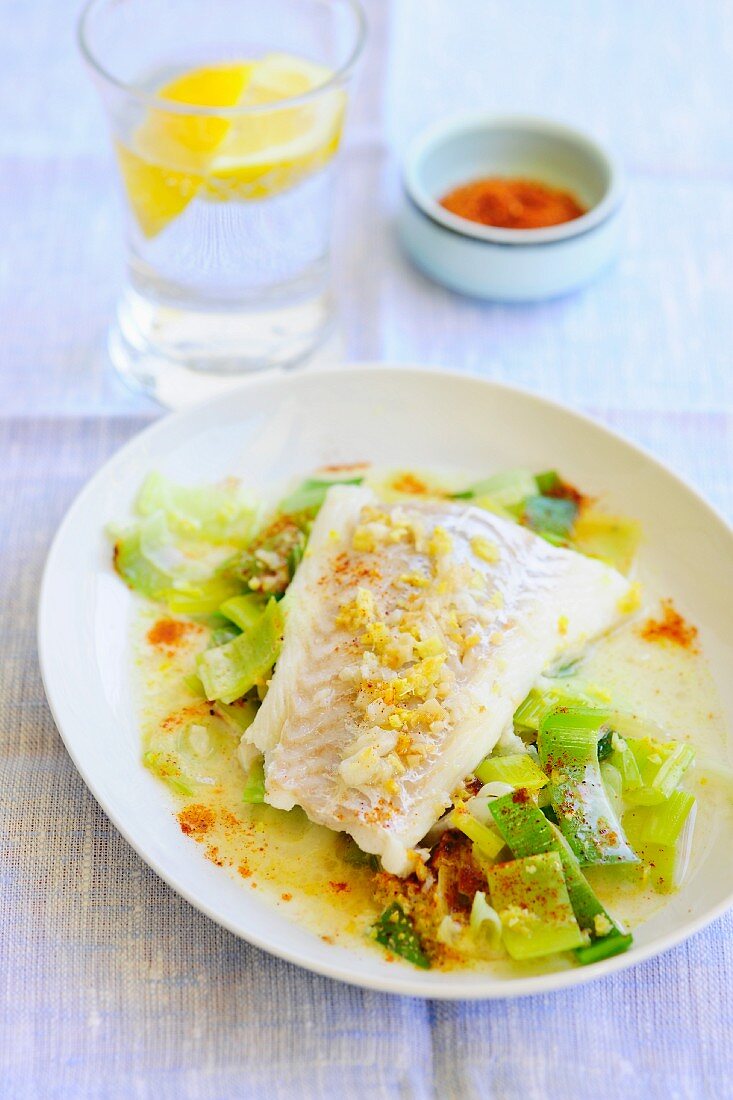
(412,634)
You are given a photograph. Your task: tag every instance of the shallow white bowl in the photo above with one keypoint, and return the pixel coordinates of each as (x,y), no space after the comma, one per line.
(275,428)
(512,265)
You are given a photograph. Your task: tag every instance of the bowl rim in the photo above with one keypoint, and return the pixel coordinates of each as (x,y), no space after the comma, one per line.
(467,122)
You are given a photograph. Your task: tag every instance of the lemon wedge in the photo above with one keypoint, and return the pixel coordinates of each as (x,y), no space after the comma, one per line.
(175,156)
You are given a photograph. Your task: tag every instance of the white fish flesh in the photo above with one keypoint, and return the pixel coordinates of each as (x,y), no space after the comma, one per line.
(412,634)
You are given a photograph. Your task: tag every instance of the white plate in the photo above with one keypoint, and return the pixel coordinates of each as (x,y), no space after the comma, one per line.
(279,427)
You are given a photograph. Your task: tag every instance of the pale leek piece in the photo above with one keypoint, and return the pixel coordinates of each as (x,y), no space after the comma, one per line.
(229,671)
(243,611)
(218,514)
(508,489)
(532,901)
(568,746)
(486,840)
(661,764)
(613,539)
(517,769)
(254,788)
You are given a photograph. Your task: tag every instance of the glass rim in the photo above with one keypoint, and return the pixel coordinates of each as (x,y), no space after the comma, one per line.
(152,100)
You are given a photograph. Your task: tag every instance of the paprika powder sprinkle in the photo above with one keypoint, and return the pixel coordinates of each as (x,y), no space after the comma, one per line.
(512,203)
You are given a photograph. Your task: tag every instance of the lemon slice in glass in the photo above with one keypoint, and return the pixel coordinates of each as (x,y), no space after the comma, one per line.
(175,157)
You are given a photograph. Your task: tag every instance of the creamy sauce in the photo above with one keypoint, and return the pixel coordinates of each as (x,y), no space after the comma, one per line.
(303,868)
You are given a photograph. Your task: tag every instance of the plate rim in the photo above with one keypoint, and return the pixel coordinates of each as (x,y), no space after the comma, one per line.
(402,984)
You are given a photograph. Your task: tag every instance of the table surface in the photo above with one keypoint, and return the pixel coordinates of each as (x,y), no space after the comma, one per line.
(112,986)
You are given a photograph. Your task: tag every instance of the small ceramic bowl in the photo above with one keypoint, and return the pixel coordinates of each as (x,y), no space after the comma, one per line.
(510,265)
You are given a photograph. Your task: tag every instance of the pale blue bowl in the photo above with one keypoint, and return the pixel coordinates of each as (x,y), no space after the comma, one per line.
(510,265)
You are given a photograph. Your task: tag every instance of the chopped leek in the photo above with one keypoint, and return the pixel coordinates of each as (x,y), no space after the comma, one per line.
(486,840)
(229,671)
(219,514)
(243,611)
(568,748)
(614,786)
(548,481)
(527,831)
(541,700)
(137,570)
(664,823)
(532,901)
(239,716)
(610,538)
(201,599)
(517,769)
(254,788)
(624,761)
(394,931)
(550,516)
(166,768)
(224,634)
(675,818)
(605,948)
(312,493)
(352,854)
(507,490)
(485,922)
(194,685)
(662,765)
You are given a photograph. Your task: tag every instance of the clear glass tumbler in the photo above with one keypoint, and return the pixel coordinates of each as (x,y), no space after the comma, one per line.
(226,117)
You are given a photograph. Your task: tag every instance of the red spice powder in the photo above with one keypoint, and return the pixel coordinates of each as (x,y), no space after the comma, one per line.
(512,203)
(169,632)
(670,628)
(409,483)
(196,820)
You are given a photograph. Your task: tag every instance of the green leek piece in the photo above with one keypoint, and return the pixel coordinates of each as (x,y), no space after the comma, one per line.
(665,862)
(204,598)
(194,685)
(605,744)
(254,788)
(532,901)
(548,481)
(541,700)
(550,516)
(611,538)
(243,611)
(527,831)
(568,746)
(614,786)
(507,490)
(311,494)
(624,761)
(663,824)
(231,670)
(394,931)
(486,840)
(218,514)
(517,769)
(355,856)
(239,716)
(137,570)
(165,767)
(605,948)
(662,764)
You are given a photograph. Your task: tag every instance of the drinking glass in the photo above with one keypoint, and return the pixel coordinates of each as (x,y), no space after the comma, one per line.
(226,116)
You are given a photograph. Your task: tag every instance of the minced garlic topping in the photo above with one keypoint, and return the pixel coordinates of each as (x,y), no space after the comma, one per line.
(411,635)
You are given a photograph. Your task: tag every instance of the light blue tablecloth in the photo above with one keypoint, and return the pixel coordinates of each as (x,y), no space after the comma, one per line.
(110,985)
